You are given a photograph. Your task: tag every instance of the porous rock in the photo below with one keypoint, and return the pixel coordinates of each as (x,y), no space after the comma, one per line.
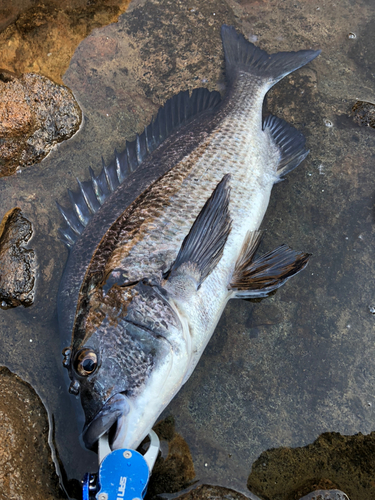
(364,114)
(17,263)
(35,114)
(326,495)
(332,462)
(207,492)
(175,471)
(26,468)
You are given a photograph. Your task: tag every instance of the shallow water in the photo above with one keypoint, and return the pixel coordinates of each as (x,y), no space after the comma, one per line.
(276,373)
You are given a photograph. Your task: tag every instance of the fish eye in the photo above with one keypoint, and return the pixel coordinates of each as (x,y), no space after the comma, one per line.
(86,362)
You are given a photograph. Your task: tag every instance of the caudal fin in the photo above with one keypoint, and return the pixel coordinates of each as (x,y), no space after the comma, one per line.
(242,55)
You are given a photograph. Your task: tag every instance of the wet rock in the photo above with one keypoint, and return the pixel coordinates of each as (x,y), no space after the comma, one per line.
(17,263)
(41,36)
(175,472)
(309,374)
(9,11)
(364,114)
(264,314)
(35,114)
(326,495)
(332,462)
(123,74)
(206,492)
(26,468)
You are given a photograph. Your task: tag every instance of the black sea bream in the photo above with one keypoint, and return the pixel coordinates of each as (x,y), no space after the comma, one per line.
(165,235)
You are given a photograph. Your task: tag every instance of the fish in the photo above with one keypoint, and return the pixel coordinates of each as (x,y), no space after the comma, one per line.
(165,235)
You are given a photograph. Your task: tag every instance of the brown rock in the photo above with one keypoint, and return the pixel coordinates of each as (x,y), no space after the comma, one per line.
(326,495)
(41,36)
(35,114)
(26,467)
(206,492)
(16,115)
(364,114)
(332,462)
(176,471)
(9,11)
(17,264)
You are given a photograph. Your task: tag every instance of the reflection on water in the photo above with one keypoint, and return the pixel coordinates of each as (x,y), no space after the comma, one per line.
(276,374)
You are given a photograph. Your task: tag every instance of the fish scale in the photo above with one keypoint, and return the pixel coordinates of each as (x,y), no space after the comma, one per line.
(209,169)
(158,276)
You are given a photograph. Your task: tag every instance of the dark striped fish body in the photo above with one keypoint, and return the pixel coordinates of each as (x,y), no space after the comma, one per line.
(152,269)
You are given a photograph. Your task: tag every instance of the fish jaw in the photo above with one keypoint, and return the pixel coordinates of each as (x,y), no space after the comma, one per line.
(112,412)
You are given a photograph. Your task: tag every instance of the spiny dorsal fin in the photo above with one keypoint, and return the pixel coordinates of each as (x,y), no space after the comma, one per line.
(290,142)
(252,279)
(176,112)
(242,55)
(203,247)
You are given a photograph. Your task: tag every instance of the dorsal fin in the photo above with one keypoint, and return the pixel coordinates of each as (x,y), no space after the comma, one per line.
(176,112)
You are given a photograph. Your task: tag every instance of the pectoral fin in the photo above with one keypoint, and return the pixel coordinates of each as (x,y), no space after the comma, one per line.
(203,247)
(257,278)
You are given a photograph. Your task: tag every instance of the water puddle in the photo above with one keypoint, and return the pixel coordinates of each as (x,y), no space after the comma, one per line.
(41,37)
(277,374)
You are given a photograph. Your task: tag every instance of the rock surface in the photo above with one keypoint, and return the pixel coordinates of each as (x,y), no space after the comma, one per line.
(326,495)
(17,263)
(333,461)
(35,114)
(275,378)
(41,36)
(207,492)
(175,470)
(364,114)
(26,468)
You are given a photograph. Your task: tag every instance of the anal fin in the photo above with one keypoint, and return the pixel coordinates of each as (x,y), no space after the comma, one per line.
(257,278)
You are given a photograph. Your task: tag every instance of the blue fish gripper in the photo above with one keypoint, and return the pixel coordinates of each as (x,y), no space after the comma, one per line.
(123,474)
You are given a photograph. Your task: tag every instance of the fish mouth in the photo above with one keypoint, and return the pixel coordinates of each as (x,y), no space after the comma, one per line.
(111,419)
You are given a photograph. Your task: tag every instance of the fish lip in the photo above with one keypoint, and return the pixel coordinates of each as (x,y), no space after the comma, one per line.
(113,410)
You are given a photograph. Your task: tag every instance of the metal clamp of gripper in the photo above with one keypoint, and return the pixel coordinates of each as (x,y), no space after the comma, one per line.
(123,474)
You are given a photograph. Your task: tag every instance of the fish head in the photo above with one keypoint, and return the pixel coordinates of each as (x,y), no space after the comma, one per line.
(120,366)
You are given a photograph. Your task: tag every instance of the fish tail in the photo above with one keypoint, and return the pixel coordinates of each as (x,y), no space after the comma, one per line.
(242,56)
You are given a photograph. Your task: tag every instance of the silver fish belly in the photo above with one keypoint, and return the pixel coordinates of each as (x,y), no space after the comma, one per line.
(150,271)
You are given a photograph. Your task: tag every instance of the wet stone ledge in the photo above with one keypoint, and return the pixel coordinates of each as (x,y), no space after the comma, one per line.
(35,114)
(17,263)
(26,467)
(343,465)
(326,495)
(207,492)
(174,468)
